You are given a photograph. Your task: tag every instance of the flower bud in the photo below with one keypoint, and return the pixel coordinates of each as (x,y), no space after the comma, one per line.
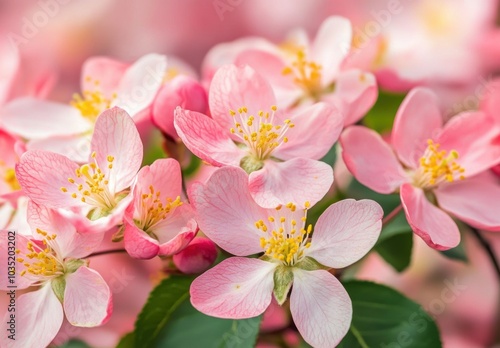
(197,257)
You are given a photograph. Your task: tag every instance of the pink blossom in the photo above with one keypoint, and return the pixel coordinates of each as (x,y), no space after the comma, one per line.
(159,221)
(93,195)
(51,263)
(197,257)
(66,128)
(246,129)
(437,169)
(241,287)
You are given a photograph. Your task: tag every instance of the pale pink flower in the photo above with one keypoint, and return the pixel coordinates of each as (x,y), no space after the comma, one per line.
(95,194)
(52,265)
(302,72)
(159,221)
(10,148)
(241,287)
(246,129)
(105,83)
(437,169)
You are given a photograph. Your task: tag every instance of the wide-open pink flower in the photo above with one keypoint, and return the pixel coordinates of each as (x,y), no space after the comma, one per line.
(437,169)
(94,194)
(66,128)
(278,150)
(303,71)
(294,257)
(52,264)
(159,221)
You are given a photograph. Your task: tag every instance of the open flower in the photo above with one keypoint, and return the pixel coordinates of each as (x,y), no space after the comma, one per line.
(247,130)
(52,264)
(294,257)
(158,221)
(66,128)
(94,194)
(436,168)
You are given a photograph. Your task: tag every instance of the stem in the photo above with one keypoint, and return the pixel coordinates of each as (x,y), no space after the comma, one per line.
(489,251)
(106,252)
(389,217)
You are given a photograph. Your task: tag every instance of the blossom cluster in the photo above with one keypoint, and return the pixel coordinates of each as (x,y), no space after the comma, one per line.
(259,122)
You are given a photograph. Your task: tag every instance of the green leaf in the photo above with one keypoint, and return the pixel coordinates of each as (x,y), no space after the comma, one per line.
(162,302)
(190,328)
(381,116)
(396,250)
(382,317)
(127,341)
(74,344)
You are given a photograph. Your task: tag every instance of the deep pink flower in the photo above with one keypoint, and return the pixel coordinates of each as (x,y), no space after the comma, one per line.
(437,169)
(95,194)
(52,264)
(241,287)
(246,129)
(159,221)
(197,257)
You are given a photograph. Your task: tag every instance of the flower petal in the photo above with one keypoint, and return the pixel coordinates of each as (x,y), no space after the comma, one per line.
(298,180)
(6,254)
(76,146)
(42,174)
(39,316)
(116,135)
(429,222)
(418,119)
(87,298)
(226,212)
(34,119)
(320,306)
(138,243)
(105,71)
(206,139)
(371,160)
(9,66)
(165,177)
(316,129)
(474,200)
(346,232)
(140,83)
(237,288)
(235,87)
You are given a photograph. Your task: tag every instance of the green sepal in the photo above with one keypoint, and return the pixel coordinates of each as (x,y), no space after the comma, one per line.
(251,164)
(58,286)
(310,264)
(283,280)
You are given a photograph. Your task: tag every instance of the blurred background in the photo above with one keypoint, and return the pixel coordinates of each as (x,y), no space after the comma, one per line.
(452,46)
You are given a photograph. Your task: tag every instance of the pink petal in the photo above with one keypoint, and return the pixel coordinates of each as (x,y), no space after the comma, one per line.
(346,232)
(42,174)
(87,298)
(197,257)
(206,139)
(235,87)
(7,149)
(182,91)
(490,104)
(39,316)
(34,119)
(371,160)
(138,243)
(9,66)
(316,129)
(237,288)
(70,243)
(331,46)
(108,72)
(76,146)
(176,231)
(8,239)
(116,135)
(476,139)
(474,200)
(226,212)
(140,83)
(429,222)
(320,306)
(357,91)
(418,119)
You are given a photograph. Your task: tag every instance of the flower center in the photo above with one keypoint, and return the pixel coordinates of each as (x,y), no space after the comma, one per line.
(259,132)
(153,210)
(306,74)
(91,103)
(437,167)
(437,17)
(11,180)
(286,239)
(41,264)
(92,185)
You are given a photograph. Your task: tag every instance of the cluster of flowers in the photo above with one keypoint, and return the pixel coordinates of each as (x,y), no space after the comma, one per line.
(263,115)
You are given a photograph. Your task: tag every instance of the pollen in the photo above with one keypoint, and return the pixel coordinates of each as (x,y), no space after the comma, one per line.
(285,239)
(437,166)
(11,180)
(306,74)
(154,210)
(92,103)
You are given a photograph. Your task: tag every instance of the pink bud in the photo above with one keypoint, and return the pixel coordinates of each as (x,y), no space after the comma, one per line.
(197,257)
(182,91)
